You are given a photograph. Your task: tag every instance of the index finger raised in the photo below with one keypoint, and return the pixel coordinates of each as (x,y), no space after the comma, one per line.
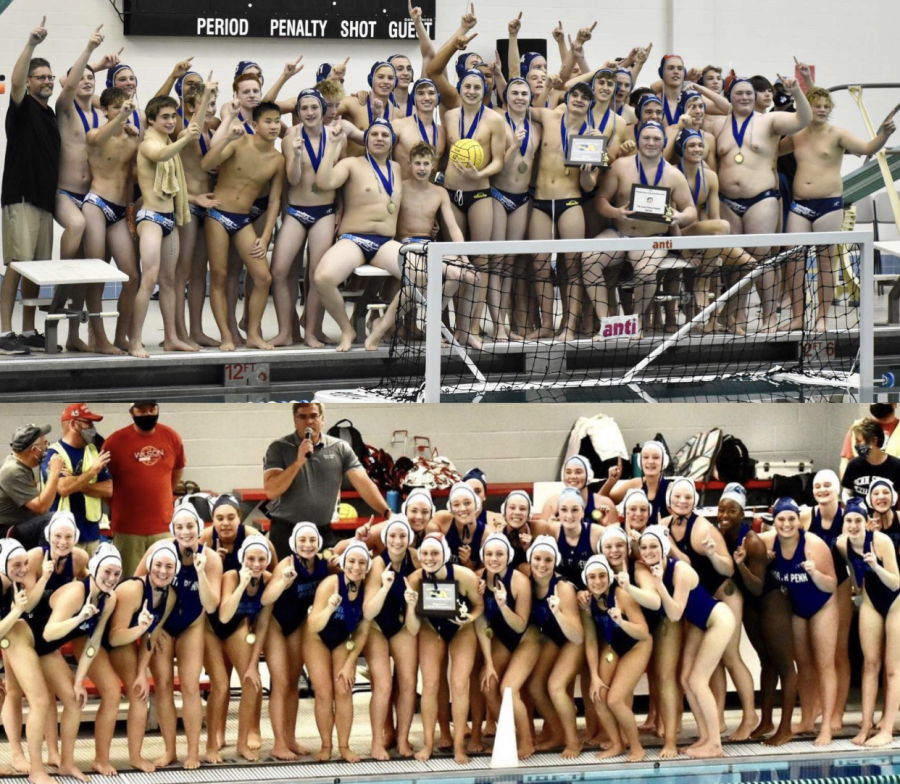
(43,21)
(592,26)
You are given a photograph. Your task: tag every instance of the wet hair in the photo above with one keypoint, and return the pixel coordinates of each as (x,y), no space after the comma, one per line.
(332,90)
(246,78)
(159,102)
(422,150)
(262,108)
(635,98)
(194,93)
(761,84)
(86,66)
(870,429)
(37,62)
(820,94)
(113,96)
(716,68)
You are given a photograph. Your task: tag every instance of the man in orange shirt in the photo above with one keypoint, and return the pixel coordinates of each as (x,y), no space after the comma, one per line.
(146,461)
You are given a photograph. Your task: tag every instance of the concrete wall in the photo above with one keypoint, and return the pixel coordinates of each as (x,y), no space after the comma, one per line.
(225,443)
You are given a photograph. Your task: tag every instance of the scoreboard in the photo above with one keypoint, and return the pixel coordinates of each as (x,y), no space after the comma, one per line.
(351,19)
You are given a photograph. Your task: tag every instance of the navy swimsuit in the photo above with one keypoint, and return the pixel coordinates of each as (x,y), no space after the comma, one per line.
(456,541)
(879,594)
(494,615)
(542,617)
(710,579)
(574,557)
(617,638)
(806,598)
(188,607)
(292,607)
(345,618)
(249,607)
(700,603)
(830,536)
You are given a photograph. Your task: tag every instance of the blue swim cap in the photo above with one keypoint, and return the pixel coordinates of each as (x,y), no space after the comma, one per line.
(381,64)
(472,72)
(662,63)
(423,81)
(179,82)
(382,122)
(477,473)
(310,92)
(687,95)
(645,99)
(856,506)
(680,140)
(322,72)
(737,81)
(651,124)
(785,505)
(511,82)
(585,86)
(111,74)
(527,59)
(461,63)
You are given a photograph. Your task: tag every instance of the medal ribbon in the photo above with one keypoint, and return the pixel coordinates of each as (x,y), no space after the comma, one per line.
(424,134)
(472,128)
(314,159)
(695,191)
(524,148)
(388,181)
(739,135)
(603,122)
(387,113)
(247,126)
(659,171)
(669,119)
(84,121)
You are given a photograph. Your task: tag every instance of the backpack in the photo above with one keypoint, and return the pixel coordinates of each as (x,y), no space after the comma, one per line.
(379,466)
(346,432)
(202,503)
(733,463)
(697,457)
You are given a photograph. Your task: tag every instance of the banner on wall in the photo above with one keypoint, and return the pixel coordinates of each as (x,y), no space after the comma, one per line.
(349,19)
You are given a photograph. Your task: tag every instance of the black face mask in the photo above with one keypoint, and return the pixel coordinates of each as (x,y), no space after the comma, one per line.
(881,410)
(146,423)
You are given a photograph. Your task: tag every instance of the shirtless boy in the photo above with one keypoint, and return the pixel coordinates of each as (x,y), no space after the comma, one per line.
(423,201)
(647,168)
(112,150)
(382,80)
(198,104)
(310,217)
(747,145)
(247,164)
(372,193)
(165,206)
(420,126)
(818,202)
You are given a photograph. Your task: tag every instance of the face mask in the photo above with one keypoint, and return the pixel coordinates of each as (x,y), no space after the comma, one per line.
(89,434)
(881,410)
(146,423)
(863,450)
(42,453)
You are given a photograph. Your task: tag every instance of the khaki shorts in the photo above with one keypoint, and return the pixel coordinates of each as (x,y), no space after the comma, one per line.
(133,547)
(27,233)
(89,547)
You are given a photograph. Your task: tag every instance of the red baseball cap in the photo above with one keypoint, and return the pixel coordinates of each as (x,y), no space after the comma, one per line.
(80,411)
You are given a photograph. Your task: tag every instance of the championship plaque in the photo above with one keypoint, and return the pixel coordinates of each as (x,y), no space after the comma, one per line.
(438,599)
(590,150)
(650,203)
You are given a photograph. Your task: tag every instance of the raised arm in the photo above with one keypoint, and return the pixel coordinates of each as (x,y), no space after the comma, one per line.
(560,37)
(458,42)
(290,69)
(333,173)
(784,123)
(512,57)
(67,96)
(181,69)
(220,151)
(426,47)
(20,71)
(101,135)
(856,146)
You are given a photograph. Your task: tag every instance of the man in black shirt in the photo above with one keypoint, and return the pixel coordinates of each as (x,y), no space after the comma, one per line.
(28,196)
(872,461)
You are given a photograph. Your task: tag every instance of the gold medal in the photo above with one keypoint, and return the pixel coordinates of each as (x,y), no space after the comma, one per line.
(739,158)
(350,645)
(729,588)
(392,208)
(567,171)
(597,514)
(91,652)
(250,638)
(523,167)
(489,633)
(610,657)
(4,643)
(315,188)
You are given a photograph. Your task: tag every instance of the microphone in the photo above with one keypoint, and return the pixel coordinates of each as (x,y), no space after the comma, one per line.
(308,434)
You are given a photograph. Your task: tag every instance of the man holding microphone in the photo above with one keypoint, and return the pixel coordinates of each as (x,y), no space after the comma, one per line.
(302,475)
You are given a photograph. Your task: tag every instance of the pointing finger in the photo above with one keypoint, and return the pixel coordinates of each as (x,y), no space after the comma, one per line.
(519,17)
(120,51)
(298,59)
(593,26)
(795,60)
(98,29)
(145,607)
(43,21)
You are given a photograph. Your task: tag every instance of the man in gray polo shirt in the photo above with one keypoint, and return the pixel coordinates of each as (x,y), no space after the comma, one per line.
(24,503)
(302,476)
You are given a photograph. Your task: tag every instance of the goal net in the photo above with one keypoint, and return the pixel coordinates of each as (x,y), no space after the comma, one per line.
(785,316)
